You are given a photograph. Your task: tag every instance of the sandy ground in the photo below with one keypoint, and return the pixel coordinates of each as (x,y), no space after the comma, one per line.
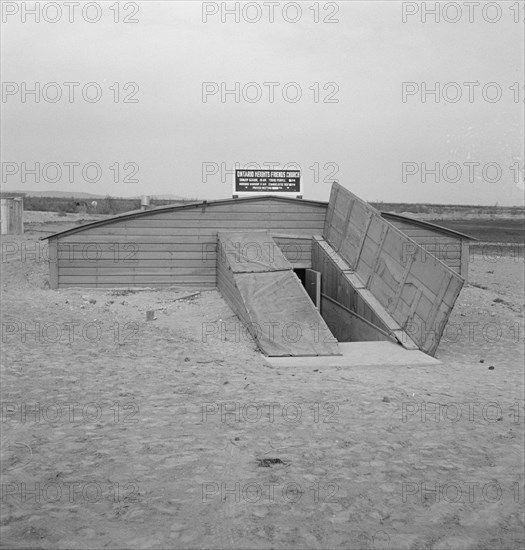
(119,432)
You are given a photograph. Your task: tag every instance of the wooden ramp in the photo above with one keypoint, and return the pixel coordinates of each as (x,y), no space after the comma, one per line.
(259,284)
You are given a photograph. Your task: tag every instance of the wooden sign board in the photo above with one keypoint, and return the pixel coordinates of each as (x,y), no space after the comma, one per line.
(249,182)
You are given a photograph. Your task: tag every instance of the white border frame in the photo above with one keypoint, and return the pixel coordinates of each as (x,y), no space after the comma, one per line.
(244,194)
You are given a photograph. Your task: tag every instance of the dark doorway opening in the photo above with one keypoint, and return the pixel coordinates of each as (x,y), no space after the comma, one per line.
(301,273)
(311,281)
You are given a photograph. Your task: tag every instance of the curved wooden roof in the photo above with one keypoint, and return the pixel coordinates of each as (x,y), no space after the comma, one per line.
(171,208)
(205,204)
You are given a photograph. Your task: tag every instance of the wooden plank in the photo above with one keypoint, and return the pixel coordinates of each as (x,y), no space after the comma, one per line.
(123,246)
(300,265)
(215,218)
(392,271)
(367,258)
(329,217)
(246,206)
(350,246)
(251,252)
(463,270)
(414,227)
(456,263)
(53,270)
(433,342)
(296,254)
(453,292)
(134,271)
(377,256)
(131,280)
(201,228)
(431,318)
(152,234)
(423,234)
(379,310)
(266,205)
(171,258)
(344,234)
(385,318)
(403,225)
(375,231)
(363,238)
(329,253)
(450,251)
(227,287)
(224,224)
(120,251)
(192,237)
(385,284)
(358,329)
(290,236)
(413,305)
(142,265)
(184,284)
(397,295)
(289,244)
(427,273)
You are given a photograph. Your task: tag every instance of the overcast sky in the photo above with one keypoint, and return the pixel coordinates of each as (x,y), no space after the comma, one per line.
(360,63)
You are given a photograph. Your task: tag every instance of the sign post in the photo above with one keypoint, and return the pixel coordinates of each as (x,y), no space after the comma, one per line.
(249,183)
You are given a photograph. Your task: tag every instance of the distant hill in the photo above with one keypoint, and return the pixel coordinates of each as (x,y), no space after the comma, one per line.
(59,194)
(90,196)
(430,211)
(171,198)
(65,201)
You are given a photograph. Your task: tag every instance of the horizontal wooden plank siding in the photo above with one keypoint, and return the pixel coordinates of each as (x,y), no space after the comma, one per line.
(167,242)
(149,280)
(179,246)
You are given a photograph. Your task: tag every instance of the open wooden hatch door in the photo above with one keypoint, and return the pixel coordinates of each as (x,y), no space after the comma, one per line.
(407,288)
